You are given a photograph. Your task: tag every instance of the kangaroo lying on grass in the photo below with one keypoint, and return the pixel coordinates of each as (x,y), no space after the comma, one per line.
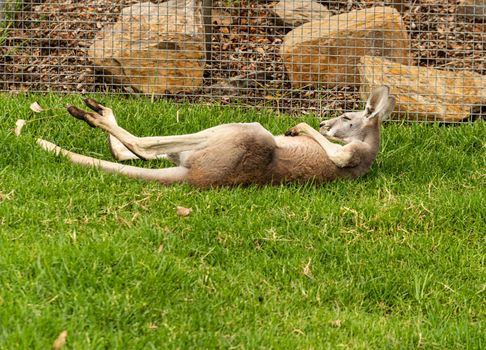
(234,154)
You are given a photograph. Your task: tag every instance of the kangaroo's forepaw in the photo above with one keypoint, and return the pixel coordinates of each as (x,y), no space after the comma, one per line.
(292,132)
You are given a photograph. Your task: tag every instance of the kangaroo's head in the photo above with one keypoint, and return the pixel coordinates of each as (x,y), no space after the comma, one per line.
(358,125)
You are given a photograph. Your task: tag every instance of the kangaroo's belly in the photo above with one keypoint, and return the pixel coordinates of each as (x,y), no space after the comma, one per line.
(247,157)
(301,159)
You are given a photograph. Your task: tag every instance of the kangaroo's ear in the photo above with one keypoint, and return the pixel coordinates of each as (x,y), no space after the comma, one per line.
(389,109)
(380,104)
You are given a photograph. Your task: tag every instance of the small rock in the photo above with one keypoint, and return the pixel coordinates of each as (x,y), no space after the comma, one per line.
(294,13)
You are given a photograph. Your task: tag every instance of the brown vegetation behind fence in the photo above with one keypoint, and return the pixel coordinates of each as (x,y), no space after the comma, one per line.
(294,56)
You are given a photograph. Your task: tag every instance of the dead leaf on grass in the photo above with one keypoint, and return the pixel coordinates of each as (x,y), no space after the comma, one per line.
(298,331)
(337,323)
(5,196)
(307,269)
(60,341)
(161,248)
(181,211)
(152,326)
(36,108)
(19,124)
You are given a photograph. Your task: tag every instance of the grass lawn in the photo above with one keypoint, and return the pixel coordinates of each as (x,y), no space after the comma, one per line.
(395,259)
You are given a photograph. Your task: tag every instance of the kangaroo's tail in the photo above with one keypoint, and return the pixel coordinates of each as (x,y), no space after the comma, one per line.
(165,175)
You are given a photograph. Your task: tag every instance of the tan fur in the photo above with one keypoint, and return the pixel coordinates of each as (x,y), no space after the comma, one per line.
(240,154)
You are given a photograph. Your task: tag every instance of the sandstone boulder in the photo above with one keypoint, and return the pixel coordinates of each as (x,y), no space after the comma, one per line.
(424,93)
(294,13)
(327,52)
(154,48)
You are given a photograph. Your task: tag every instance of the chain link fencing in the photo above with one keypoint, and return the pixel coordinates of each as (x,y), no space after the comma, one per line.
(292,56)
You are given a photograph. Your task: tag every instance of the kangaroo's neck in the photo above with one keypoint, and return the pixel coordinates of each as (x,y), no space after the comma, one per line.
(372,138)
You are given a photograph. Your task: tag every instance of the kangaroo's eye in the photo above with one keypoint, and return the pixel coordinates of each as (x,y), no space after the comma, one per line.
(346,118)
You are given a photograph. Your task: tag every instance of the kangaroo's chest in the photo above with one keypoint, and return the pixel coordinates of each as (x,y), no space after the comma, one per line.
(301,159)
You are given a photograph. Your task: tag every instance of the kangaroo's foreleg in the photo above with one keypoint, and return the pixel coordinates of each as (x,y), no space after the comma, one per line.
(342,156)
(166,176)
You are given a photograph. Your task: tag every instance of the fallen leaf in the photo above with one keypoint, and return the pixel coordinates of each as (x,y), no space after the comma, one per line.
(161,248)
(74,236)
(181,211)
(307,269)
(337,323)
(36,108)
(298,331)
(6,196)
(19,124)
(60,341)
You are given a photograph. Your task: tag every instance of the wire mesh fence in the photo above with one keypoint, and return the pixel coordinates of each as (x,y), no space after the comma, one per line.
(294,56)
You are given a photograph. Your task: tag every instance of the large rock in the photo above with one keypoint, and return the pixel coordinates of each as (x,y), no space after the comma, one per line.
(472,9)
(294,13)
(154,48)
(326,52)
(426,93)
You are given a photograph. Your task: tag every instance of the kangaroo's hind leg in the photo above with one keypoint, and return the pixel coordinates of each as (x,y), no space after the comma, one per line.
(143,147)
(121,153)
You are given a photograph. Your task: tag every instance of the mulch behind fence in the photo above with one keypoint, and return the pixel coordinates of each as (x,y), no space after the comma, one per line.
(46,50)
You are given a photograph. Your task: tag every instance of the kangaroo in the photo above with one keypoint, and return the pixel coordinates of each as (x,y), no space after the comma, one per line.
(244,153)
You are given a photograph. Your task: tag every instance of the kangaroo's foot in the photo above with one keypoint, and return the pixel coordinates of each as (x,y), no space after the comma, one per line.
(122,142)
(101,117)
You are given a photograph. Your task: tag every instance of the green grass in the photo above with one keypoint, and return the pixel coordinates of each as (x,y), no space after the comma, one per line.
(394,259)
